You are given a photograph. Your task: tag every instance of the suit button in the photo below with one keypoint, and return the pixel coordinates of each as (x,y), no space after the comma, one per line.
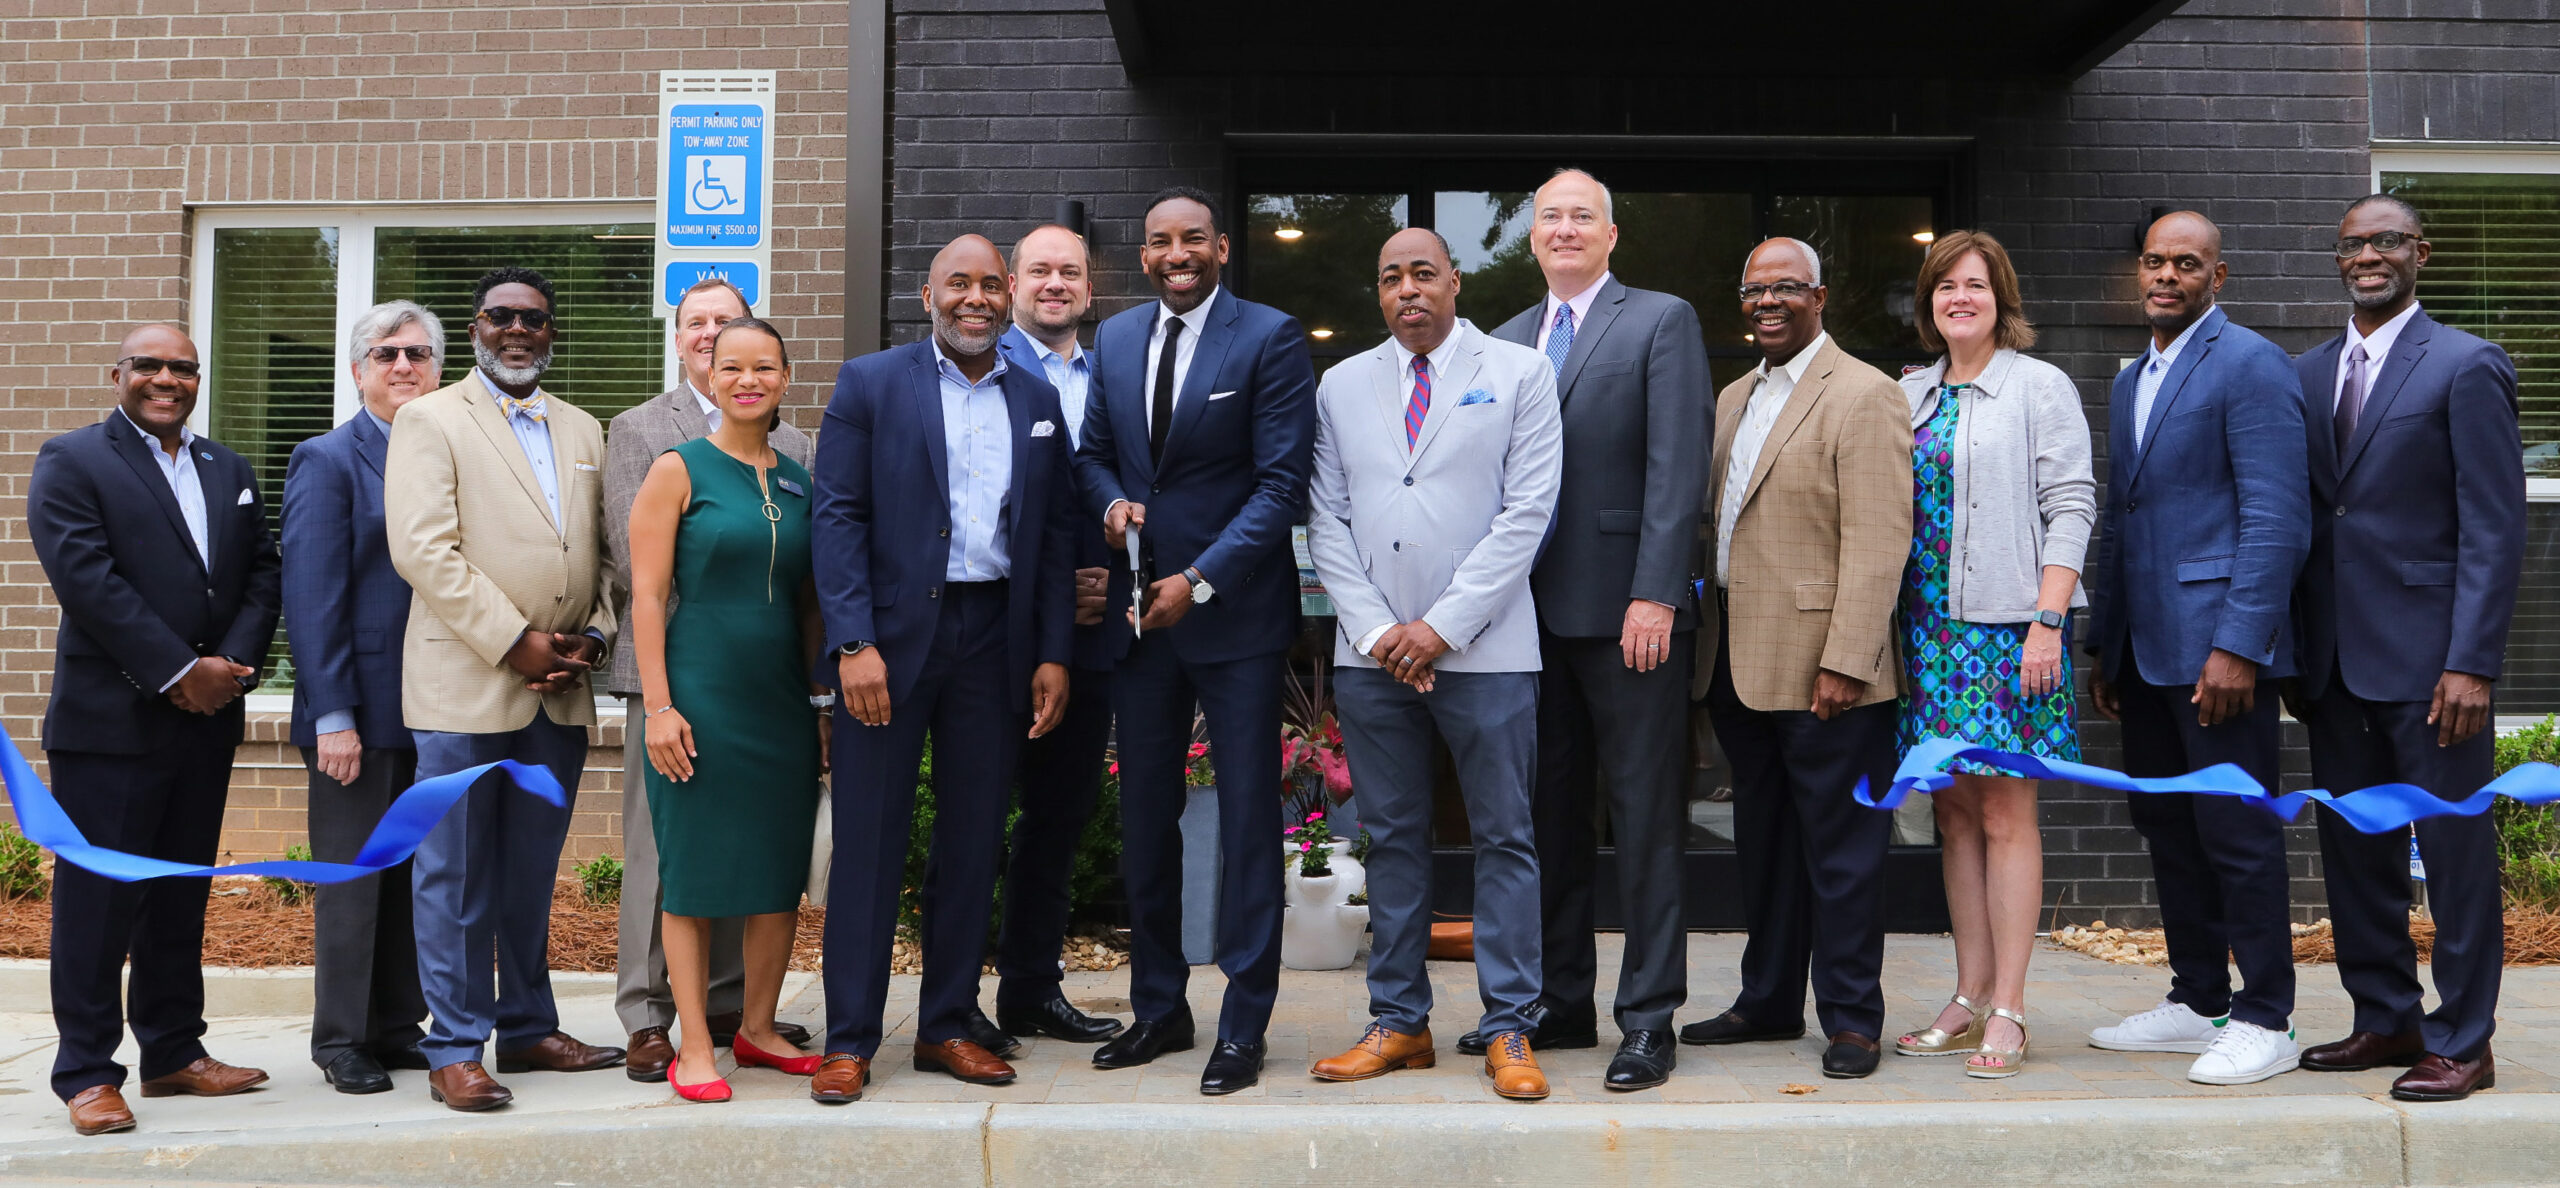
(2342,510)
(2133,505)
(1396,545)
(933,592)
(1408,480)
(946,533)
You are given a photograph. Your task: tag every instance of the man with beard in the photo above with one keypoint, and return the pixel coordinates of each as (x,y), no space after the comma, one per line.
(2206,522)
(2405,603)
(945,541)
(1200,436)
(493,497)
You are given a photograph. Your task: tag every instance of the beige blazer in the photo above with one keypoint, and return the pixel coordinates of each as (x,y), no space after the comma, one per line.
(470,531)
(1824,532)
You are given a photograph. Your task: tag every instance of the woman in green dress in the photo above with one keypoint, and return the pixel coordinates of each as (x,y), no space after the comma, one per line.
(721,529)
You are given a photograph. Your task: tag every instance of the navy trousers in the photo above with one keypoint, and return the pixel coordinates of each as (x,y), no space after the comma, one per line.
(1061,777)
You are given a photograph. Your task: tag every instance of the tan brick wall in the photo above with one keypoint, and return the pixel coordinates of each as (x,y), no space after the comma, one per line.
(117,117)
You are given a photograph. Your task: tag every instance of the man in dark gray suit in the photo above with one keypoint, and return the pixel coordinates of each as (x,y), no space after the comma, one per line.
(1616,625)
(634,440)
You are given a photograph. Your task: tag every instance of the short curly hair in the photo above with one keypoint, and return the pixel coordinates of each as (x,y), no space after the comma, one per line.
(2011,330)
(512,275)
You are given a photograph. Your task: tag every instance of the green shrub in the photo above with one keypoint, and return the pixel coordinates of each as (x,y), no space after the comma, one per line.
(600,880)
(292,892)
(21,866)
(2529,836)
(1093,875)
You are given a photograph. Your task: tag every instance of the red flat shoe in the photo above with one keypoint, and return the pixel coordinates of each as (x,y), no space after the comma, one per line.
(715,1089)
(797,1064)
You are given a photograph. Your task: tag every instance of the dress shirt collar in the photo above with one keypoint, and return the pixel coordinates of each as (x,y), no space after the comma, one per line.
(2169,358)
(186,439)
(378,423)
(1072,356)
(944,367)
(496,393)
(1581,303)
(1796,367)
(1192,321)
(1440,356)
(2378,343)
(699,400)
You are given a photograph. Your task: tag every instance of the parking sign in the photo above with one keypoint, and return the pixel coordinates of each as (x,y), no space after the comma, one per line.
(715,200)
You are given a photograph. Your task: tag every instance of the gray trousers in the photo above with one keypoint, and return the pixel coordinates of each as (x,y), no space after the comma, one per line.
(641,996)
(365,991)
(1490,720)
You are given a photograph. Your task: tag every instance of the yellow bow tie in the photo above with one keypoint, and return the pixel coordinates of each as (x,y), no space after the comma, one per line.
(530,407)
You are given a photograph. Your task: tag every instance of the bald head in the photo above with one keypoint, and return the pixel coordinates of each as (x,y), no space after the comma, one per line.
(970,299)
(2186,226)
(155,379)
(1418,289)
(2182,272)
(157,339)
(967,251)
(1783,298)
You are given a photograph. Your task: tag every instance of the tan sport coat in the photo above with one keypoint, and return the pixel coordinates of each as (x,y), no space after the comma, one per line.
(470,531)
(1824,532)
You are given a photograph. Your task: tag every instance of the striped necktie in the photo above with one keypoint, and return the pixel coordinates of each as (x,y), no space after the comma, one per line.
(1560,338)
(531,406)
(1420,406)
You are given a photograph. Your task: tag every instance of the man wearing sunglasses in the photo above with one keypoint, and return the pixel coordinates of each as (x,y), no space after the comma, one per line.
(494,500)
(156,543)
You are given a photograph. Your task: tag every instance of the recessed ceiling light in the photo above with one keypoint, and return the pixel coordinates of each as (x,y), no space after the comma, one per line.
(1289,234)
(1924,237)
(1321,333)
(1748,338)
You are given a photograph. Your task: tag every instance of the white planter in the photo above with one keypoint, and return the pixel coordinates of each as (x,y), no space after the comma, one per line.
(1354,876)
(1318,930)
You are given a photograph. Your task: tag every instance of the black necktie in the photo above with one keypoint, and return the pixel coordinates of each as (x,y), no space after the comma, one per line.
(1161,419)
(2350,402)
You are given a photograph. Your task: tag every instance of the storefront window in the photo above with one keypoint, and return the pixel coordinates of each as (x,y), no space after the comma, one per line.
(1316,259)
(2496,273)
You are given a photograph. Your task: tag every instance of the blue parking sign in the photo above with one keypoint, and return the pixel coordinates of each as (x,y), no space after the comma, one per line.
(715,175)
(685,274)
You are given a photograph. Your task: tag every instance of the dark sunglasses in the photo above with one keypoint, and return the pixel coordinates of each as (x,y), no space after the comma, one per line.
(2385,241)
(417,354)
(145,365)
(500,317)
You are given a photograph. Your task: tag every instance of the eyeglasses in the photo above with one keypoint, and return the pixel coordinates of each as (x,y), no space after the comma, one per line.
(386,354)
(1786,290)
(146,365)
(500,317)
(2383,241)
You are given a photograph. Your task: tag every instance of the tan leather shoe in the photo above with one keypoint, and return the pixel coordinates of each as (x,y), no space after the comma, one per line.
(964,1060)
(467,1087)
(557,1052)
(1379,1052)
(1514,1068)
(100,1109)
(648,1056)
(840,1079)
(207,1077)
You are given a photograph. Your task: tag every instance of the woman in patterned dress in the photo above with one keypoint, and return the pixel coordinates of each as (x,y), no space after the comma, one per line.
(2003,504)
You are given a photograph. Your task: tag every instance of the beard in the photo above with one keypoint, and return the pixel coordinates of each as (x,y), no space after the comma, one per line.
(514,376)
(2382,299)
(961,341)
(1037,319)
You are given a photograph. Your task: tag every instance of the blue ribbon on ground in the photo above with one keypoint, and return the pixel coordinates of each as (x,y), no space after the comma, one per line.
(404,824)
(2377,809)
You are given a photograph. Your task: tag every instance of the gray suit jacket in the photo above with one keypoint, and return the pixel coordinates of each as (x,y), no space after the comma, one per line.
(1637,403)
(1445,531)
(633,442)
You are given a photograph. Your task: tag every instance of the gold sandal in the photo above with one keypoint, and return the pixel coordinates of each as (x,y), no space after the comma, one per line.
(2010,1059)
(1938,1041)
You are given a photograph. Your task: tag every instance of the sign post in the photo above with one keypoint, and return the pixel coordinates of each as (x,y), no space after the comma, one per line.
(715,182)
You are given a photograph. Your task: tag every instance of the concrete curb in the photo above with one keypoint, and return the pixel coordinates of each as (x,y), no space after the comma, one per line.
(286,992)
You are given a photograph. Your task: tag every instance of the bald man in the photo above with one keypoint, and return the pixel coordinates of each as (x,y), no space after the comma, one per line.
(945,543)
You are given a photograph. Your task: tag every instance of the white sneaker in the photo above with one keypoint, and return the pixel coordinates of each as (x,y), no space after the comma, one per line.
(2168,1027)
(2244,1054)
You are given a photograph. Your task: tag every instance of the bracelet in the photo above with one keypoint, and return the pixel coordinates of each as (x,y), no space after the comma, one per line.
(660,710)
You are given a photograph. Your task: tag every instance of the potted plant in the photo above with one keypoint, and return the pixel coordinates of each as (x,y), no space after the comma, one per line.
(1202,863)
(1320,927)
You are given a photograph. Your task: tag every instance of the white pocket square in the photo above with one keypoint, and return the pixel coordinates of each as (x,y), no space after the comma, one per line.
(583,465)
(244,500)
(1220,395)
(1044,429)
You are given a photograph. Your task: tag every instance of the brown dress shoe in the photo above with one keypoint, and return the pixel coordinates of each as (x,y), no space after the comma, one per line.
(2365,1049)
(1514,1068)
(467,1087)
(964,1060)
(100,1109)
(1379,1052)
(2439,1078)
(557,1052)
(648,1056)
(207,1077)
(840,1079)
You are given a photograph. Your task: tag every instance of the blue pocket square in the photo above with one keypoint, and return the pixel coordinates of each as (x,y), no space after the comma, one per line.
(1478,396)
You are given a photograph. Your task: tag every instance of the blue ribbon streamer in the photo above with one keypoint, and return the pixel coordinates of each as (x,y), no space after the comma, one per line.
(2380,808)
(404,824)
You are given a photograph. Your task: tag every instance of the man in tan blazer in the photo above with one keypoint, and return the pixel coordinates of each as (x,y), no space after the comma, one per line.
(493,501)
(1811,486)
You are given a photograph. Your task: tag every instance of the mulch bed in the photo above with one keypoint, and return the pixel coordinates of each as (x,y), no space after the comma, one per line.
(2533,938)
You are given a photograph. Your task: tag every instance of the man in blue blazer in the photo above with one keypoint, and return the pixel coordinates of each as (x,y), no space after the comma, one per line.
(346,612)
(156,543)
(2404,608)
(1200,437)
(2204,531)
(944,537)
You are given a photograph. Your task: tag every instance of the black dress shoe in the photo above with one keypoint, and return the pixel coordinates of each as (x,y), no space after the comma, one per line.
(1145,1040)
(1545,1033)
(1233,1065)
(2365,1049)
(1058,1019)
(356,1071)
(1730,1028)
(2442,1078)
(724,1030)
(983,1032)
(1850,1055)
(1645,1059)
(407,1056)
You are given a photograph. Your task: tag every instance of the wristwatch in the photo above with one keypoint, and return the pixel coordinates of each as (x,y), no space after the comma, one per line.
(1200,591)
(2053,619)
(855,648)
(822,701)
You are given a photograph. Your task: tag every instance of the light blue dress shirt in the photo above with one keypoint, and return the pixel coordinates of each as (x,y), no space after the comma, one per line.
(345,719)
(977,444)
(180,472)
(2155,368)
(1073,378)
(535,437)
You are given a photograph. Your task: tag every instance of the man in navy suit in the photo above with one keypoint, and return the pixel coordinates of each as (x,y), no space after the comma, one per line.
(156,543)
(1200,437)
(945,547)
(2405,606)
(346,612)
(2204,531)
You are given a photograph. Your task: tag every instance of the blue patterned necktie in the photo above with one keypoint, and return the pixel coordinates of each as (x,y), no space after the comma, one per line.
(1560,338)
(1420,406)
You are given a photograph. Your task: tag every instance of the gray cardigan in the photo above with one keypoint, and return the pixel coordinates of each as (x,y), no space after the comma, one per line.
(2024,495)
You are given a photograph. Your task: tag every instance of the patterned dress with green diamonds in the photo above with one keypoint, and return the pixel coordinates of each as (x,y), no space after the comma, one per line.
(1962,678)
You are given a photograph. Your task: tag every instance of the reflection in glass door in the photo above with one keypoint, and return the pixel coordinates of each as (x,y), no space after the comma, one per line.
(1315,258)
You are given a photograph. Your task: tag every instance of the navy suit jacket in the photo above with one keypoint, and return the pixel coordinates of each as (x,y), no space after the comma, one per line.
(346,610)
(2417,535)
(1092,641)
(1234,481)
(138,603)
(882,532)
(2206,525)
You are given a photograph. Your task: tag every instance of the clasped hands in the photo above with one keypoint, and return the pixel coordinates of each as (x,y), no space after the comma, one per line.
(553,661)
(1408,650)
(210,684)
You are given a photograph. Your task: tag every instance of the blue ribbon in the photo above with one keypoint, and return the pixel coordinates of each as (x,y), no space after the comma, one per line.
(404,824)
(2380,808)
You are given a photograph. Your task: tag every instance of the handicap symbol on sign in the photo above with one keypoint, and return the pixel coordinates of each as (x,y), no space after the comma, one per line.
(717,186)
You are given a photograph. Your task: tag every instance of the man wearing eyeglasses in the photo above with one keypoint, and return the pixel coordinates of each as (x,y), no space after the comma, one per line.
(494,497)
(156,543)
(344,608)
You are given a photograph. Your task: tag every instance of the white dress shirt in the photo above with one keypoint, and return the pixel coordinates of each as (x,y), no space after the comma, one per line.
(535,438)
(181,475)
(2377,347)
(710,411)
(1440,357)
(1581,303)
(1768,399)
(1188,345)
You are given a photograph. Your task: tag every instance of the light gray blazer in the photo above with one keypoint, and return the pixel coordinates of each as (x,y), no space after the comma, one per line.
(1446,532)
(632,443)
(2024,497)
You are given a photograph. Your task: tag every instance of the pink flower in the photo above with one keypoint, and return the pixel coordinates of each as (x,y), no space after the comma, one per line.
(1317,815)
(1303,847)
(1115,769)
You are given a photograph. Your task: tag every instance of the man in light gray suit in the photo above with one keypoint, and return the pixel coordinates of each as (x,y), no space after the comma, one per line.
(1618,627)
(634,440)
(1437,460)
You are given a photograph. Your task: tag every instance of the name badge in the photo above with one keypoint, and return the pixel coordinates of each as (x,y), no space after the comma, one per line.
(788,485)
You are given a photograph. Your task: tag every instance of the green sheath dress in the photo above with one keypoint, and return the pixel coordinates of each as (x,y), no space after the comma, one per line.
(734,840)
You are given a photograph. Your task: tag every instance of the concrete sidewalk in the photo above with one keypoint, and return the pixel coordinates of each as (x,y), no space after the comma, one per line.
(2077,1114)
